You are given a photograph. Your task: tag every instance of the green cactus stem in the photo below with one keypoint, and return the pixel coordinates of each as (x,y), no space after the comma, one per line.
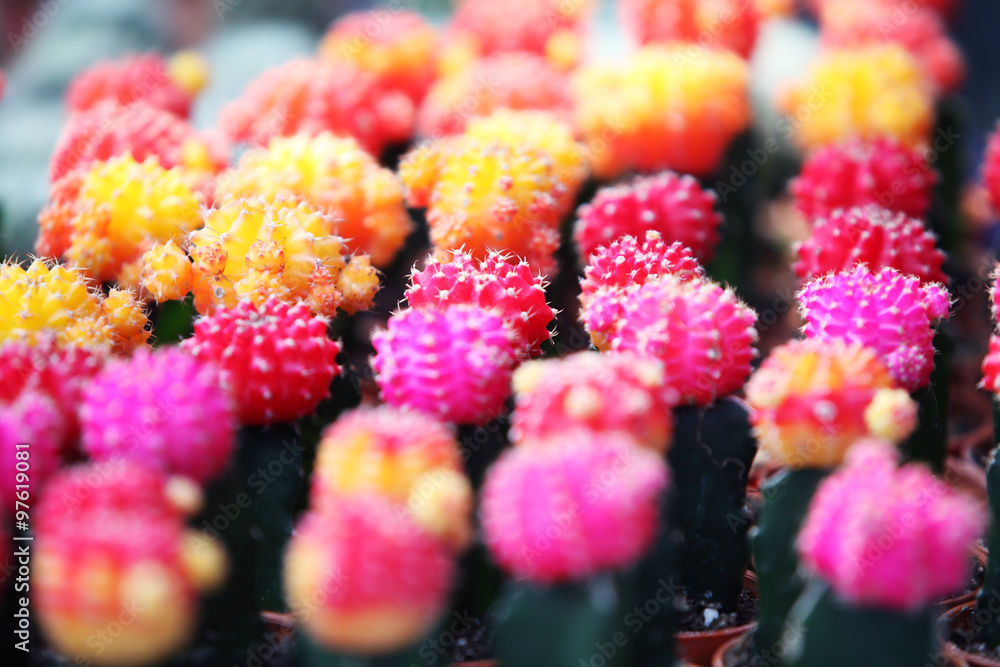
(591,622)
(786,501)
(656,575)
(823,631)
(989,631)
(928,443)
(711,456)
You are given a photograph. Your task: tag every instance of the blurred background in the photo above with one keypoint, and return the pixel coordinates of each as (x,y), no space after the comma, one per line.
(45,42)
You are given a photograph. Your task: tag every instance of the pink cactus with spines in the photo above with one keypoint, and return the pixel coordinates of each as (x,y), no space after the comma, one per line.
(874,236)
(275,359)
(496,283)
(629,262)
(701,332)
(857,173)
(143,77)
(363,578)
(887,536)
(60,372)
(991,367)
(567,509)
(453,364)
(614,393)
(163,409)
(991,168)
(674,205)
(890,312)
(32,429)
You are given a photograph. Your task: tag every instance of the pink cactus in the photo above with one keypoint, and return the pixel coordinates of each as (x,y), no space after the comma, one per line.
(615,393)
(511,289)
(668,203)
(364,578)
(453,364)
(60,372)
(143,77)
(573,507)
(874,236)
(888,311)
(32,431)
(856,173)
(702,333)
(889,537)
(275,359)
(991,168)
(991,367)
(163,409)
(140,129)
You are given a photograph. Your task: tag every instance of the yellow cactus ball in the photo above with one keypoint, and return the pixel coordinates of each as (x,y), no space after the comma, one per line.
(122,207)
(363,201)
(488,196)
(878,91)
(166,272)
(358,284)
(547,133)
(252,247)
(57,300)
(674,106)
(813,399)
(189,70)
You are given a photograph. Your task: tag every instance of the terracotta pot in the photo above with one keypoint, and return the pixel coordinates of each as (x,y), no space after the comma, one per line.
(979,551)
(953,618)
(699,647)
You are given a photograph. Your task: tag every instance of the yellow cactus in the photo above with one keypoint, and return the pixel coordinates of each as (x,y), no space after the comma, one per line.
(879,91)
(544,131)
(122,207)
(675,106)
(57,300)
(166,272)
(362,201)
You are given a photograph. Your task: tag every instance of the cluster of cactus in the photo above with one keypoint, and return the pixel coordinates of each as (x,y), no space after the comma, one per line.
(655,21)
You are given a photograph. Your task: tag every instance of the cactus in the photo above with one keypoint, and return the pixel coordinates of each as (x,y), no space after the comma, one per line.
(402,53)
(312,96)
(673,205)
(703,334)
(122,206)
(150,567)
(363,579)
(274,359)
(600,393)
(43,299)
(547,511)
(518,81)
(875,91)
(887,542)
(494,283)
(144,77)
(483,196)
(620,111)
(32,424)
(362,201)
(873,236)
(991,167)
(655,21)
(989,632)
(856,173)
(813,400)
(162,409)
(888,311)
(453,364)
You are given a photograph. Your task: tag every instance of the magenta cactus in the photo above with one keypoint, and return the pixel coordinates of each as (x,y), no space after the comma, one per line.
(874,236)
(495,283)
(888,537)
(615,393)
(573,507)
(701,332)
(274,358)
(991,367)
(32,429)
(454,364)
(887,311)
(668,203)
(163,409)
(857,173)
(365,579)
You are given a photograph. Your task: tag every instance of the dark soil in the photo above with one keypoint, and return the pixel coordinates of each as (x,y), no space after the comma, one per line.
(473,643)
(965,639)
(976,573)
(691,615)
